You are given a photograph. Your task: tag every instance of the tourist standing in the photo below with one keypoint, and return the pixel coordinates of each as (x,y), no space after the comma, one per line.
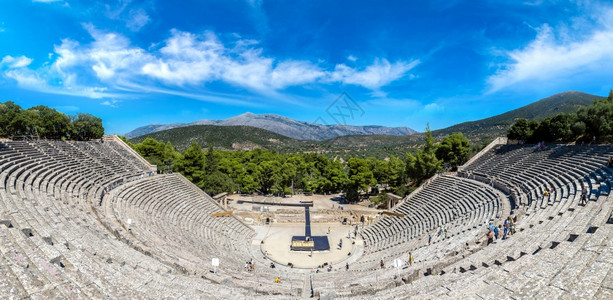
(490,237)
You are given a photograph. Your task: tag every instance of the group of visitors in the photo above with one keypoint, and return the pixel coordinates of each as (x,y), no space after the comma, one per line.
(541,146)
(250,265)
(501,231)
(443,233)
(320,267)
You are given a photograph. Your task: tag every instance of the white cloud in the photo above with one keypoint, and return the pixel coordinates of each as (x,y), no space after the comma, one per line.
(15,62)
(557,56)
(187,58)
(109,56)
(46,1)
(111,103)
(352,58)
(138,19)
(27,79)
(114,12)
(375,76)
(432,107)
(185,61)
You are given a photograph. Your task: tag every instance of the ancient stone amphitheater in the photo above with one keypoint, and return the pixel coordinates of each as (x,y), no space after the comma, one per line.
(93,220)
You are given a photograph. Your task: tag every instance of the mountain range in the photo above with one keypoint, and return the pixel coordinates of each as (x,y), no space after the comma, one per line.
(282,125)
(230,137)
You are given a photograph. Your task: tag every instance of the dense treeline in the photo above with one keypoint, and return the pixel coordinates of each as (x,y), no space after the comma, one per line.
(48,123)
(268,172)
(590,122)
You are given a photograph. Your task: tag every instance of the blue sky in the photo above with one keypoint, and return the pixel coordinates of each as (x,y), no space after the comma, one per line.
(405,63)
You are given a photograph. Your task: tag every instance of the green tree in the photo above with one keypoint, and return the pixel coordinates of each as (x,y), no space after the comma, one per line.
(520,130)
(211,161)
(270,177)
(86,127)
(26,122)
(53,124)
(157,153)
(561,127)
(217,182)
(336,177)
(151,150)
(424,164)
(396,176)
(360,177)
(454,150)
(191,164)
(598,119)
(542,132)
(8,111)
(380,170)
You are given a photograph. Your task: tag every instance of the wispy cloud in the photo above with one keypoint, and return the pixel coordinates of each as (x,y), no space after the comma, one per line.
(259,16)
(135,18)
(32,81)
(15,62)
(556,55)
(114,103)
(374,76)
(138,18)
(182,65)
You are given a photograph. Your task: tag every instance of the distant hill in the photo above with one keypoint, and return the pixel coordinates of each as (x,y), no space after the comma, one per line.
(224,137)
(567,102)
(284,126)
(380,146)
(476,131)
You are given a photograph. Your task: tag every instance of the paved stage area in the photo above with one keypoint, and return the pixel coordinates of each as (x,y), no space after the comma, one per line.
(277,241)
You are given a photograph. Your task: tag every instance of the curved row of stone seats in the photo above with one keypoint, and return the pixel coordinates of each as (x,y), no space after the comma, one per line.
(545,259)
(457,204)
(53,245)
(174,220)
(366,275)
(444,199)
(461,206)
(554,229)
(170,218)
(568,255)
(528,172)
